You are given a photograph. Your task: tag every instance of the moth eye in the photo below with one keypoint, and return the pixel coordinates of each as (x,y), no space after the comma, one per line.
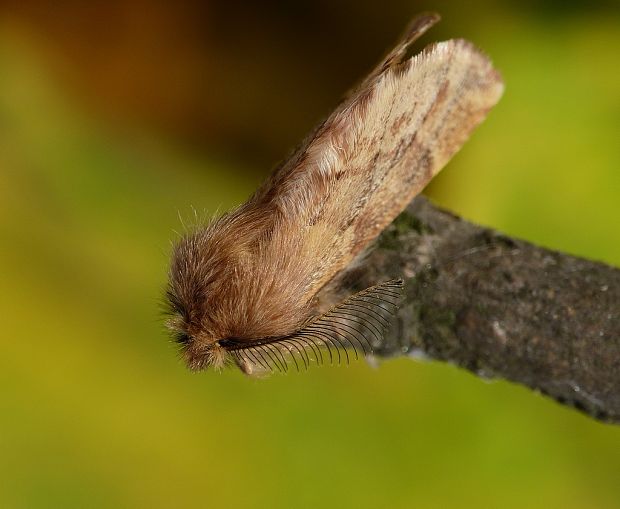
(181,338)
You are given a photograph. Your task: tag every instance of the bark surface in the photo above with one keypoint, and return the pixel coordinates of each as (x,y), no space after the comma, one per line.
(501,307)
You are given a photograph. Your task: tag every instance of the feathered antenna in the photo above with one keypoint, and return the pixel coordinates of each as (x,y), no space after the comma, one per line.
(355,325)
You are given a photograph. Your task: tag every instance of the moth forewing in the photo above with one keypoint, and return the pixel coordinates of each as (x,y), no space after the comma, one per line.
(245,286)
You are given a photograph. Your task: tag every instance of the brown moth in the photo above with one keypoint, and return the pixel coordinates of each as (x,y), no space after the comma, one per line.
(245,287)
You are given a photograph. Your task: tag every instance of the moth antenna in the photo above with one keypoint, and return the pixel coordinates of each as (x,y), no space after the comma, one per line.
(326,344)
(350,325)
(343,328)
(273,359)
(250,353)
(343,333)
(281,356)
(365,322)
(333,338)
(348,316)
(265,362)
(364,310)
(289,341)
(269,358)
(316,351)
(290,352)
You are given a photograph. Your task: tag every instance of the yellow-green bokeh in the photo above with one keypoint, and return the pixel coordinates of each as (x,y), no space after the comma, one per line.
(97,411)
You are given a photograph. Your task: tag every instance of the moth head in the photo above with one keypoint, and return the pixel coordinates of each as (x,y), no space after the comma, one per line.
(222,286)
(196,283)
(198,347)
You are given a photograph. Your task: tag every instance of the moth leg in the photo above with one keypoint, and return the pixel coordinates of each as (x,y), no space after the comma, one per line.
(251,367)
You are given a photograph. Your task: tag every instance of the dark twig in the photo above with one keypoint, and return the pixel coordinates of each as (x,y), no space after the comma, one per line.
(502,307)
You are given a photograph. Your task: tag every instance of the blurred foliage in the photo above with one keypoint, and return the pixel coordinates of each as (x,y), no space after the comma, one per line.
(108,132)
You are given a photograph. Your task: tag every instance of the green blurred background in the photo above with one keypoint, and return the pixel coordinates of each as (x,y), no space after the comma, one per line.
(117,117)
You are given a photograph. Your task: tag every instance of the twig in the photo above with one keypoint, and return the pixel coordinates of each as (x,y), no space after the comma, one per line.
(502,307)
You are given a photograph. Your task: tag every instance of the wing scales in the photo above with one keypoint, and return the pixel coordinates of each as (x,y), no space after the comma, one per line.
(380,147)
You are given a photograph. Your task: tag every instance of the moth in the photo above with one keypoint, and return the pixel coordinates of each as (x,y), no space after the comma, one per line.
(246,288)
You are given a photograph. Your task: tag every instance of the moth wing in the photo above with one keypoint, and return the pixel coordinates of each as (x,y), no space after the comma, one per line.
(362,166)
